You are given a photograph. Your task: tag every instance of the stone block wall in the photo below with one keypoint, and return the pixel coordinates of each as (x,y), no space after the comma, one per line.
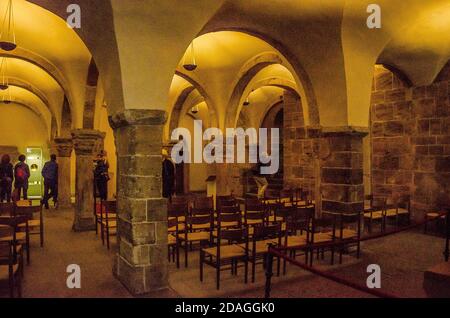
(299,143)
(410,136)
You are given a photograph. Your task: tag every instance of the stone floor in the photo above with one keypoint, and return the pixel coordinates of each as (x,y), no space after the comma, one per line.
(403,259)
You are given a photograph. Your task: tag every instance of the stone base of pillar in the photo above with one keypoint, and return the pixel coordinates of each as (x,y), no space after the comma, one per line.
(84,224)
(140,279)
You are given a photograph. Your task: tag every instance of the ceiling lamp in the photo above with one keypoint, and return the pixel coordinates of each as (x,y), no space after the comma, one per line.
(194,109)
(8,35)
(190,65)
(4,80)
(6,97)
(247,100)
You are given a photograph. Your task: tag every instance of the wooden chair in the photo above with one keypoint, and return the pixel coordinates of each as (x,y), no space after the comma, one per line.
(204,203)
(11,254)
(232,214)
(176,214)
(376,213)
(348,231)
(108,217)
(297,227)
(400,209)
(221,255)
(36,218)
(323,230)
(226,201)
(199,229)
(255,212)
(263,235)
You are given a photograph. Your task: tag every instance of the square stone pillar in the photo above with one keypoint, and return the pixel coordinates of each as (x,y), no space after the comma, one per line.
(85,142)
(63,148)
(342,185)
(141,263)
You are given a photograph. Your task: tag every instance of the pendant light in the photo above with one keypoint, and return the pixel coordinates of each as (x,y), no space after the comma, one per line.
(8,35)
(247,100)
(6,97)
(190,65)
(194,109)
(3,70)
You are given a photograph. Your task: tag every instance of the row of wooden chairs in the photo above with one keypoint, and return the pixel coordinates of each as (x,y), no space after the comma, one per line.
(18,221)
(383,209)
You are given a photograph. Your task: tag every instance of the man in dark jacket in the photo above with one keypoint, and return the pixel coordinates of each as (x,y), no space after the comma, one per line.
(21,176)
(50,174)
(6,178)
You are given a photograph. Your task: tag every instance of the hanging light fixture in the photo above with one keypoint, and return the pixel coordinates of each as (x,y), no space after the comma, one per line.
(6,98)
(247,100)
(194,109)
(3,70)
(190,65)
(8,35)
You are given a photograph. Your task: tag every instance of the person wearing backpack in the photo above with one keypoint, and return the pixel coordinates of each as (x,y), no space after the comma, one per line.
(21,176)
(6,178)
(50,174)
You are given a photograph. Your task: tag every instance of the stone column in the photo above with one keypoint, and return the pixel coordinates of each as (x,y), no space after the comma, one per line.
(141,263)
(63,148)
(342,185)
(84,142)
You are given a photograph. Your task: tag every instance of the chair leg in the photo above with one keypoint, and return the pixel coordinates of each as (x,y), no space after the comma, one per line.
(102,233)
(41,234)
(246,270)
(177,246)
(107,237)
(185,254)
(218,276)
(254,268)
(202,255)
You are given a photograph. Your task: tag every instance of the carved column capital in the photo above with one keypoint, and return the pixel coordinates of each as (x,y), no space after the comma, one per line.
(85,141)
(63,146)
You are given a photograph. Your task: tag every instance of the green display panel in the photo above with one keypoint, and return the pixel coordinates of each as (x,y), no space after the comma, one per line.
(35,162)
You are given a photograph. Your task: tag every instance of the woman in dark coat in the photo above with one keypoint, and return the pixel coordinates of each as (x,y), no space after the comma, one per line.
(6,178)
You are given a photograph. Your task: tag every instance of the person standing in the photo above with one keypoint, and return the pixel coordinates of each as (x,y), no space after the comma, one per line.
(6,178)
(168,175)
(101,175)
(21,176)
(50,174)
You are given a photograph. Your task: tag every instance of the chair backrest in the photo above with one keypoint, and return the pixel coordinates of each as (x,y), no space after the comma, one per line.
(284,212)
(300,219)
(177,210)
(204,202)
(226,201)
(7,209)
(229,209)
(379,202)
(201,211)
(267,231)
(200,220)
(235,235)
(109,207)
(28,211)
(228,218)
(179,200)
(404,201)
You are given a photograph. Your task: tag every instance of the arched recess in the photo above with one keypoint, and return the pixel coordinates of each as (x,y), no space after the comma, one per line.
(42,63)
(176,110)
(15,82)
(90,96)
(298,71)
(211,106)
(101,43)
(47,121)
